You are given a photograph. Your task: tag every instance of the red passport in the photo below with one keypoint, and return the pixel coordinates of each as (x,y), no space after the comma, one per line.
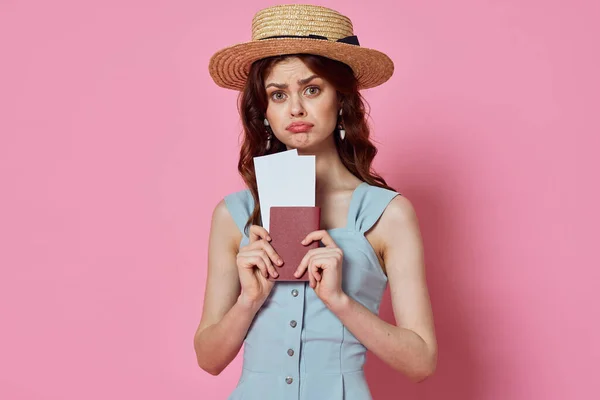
(288,226)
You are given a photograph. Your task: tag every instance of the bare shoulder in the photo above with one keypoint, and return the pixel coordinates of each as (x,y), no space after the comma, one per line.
(221,213)
(400,212)
(398,221)
(223,225)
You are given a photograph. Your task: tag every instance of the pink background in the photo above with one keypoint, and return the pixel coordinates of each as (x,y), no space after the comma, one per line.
(116,145)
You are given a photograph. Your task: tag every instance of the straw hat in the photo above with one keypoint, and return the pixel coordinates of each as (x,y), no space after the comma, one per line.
(297,28)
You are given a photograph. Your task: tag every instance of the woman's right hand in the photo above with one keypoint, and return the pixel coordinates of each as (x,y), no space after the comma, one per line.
(255,263)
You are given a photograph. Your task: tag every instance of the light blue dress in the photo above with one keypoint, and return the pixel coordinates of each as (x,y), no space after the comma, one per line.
(296,348)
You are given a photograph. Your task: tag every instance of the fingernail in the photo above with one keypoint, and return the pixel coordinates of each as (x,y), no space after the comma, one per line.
(279,261)
(269,238)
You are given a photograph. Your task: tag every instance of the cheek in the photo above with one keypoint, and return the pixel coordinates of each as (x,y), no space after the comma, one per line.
(273,114)
(327,112)
(327,117)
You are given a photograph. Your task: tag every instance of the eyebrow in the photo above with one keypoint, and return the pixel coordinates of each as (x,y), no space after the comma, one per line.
(285,85)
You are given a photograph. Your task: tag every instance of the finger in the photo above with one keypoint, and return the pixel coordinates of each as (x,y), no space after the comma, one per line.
(261,252)
(259,263)
(311,278)
(321,235)
(257,232)
(273,255)
(316,273)
(263,244)
(270,266)
(304,263)
(320,263)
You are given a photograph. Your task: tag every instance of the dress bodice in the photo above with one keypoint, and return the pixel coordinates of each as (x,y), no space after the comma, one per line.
(296,348)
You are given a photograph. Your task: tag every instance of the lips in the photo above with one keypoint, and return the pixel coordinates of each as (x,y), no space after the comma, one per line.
(298,127)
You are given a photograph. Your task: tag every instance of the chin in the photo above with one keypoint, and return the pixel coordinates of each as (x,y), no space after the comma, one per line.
(305,141)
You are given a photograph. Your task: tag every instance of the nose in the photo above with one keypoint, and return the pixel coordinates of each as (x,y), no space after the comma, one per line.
(296,107)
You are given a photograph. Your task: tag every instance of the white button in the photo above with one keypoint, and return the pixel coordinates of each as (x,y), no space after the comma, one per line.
(289,380)
(294,292)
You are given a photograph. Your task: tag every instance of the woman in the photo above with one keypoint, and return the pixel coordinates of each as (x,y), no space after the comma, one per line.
(299,79)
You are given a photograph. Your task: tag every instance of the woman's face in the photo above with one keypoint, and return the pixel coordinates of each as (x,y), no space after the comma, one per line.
(302,107)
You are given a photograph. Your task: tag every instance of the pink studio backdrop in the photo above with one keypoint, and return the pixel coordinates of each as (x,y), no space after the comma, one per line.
(116,145)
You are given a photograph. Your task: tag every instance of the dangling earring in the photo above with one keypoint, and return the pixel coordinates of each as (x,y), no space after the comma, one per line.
(269,135)
(341,127)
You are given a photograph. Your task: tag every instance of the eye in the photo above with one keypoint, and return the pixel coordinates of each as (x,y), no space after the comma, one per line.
(312,90)
(277,96)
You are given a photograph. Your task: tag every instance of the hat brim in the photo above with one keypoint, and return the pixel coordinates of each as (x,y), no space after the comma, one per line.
(229,67)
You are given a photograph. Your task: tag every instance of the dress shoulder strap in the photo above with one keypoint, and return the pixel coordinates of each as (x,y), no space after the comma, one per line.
(240,205)
(367,205)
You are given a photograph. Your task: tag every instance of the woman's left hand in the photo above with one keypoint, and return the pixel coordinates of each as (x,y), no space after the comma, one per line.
(324,266)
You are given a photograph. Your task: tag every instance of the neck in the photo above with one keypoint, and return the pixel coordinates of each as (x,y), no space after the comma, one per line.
(331,174)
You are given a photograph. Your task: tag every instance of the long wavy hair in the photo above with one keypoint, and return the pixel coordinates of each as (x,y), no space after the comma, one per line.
(356,151)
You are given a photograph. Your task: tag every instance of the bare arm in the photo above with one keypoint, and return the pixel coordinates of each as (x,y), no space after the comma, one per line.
(409,346)
(225,316)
